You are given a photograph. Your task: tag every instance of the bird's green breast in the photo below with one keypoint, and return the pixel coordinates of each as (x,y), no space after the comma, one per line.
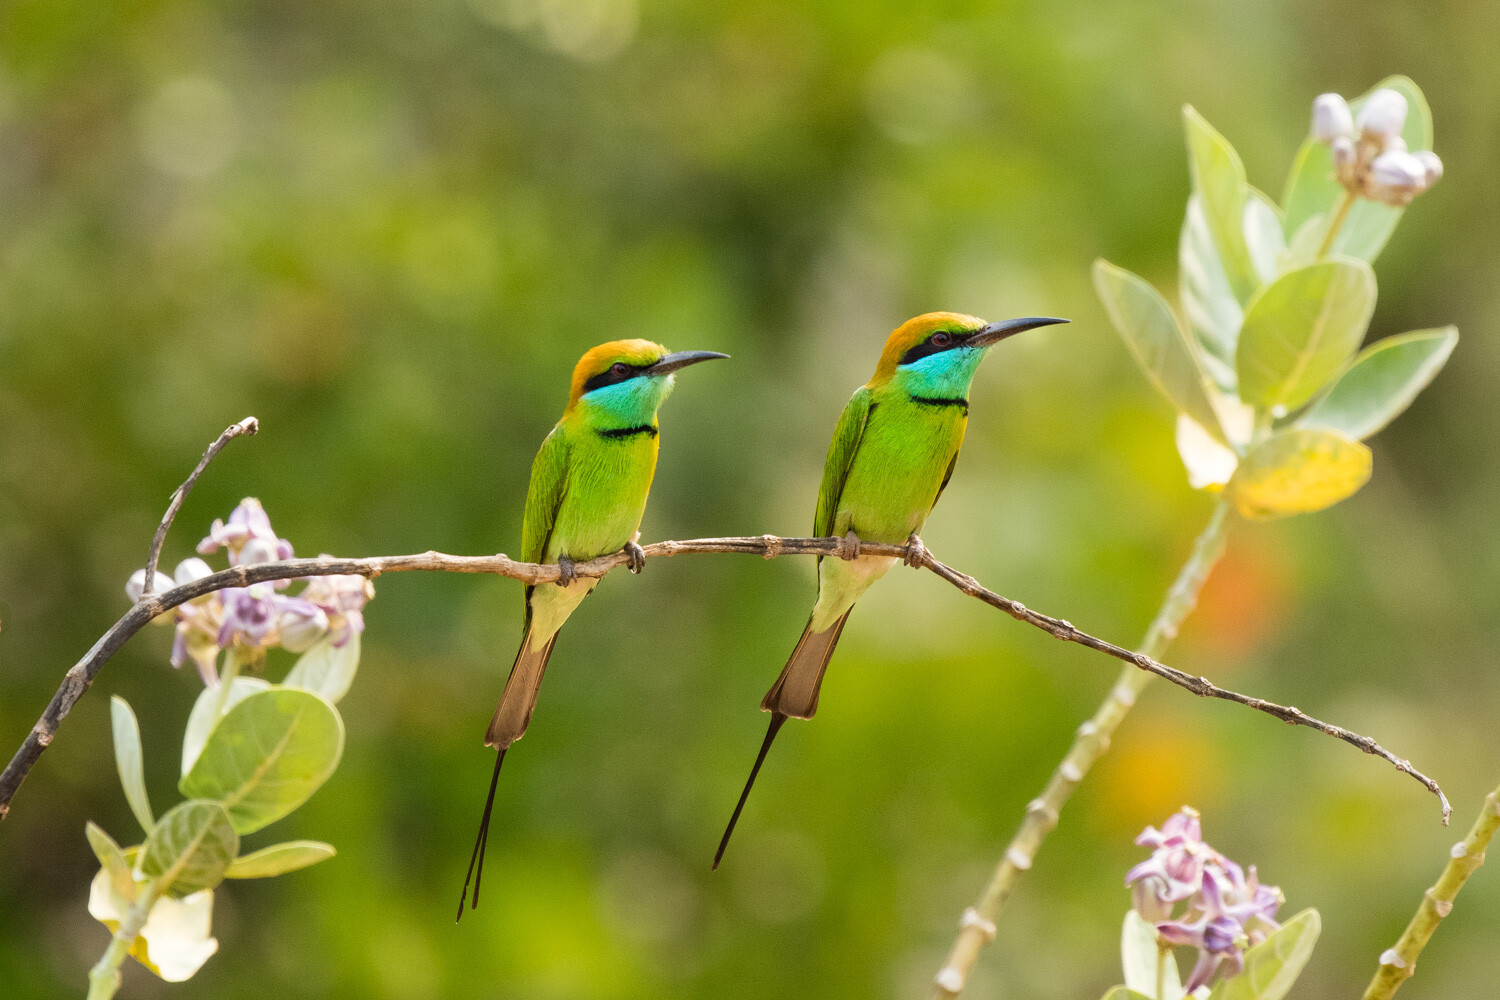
(904,455)
(608,479)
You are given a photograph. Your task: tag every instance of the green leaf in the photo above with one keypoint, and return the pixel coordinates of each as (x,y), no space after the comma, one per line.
(1272,967)
(1146,324)
(280,858)
(1313,193)
(1383,381)
(191,848)
(1301,329)
(267,755)
(1140,953)
(327,669)
(1219,180)
(127,734)
(201,719)
(1297,472)
(1213,313)
(1263,238)
(112,861)
(1124,993)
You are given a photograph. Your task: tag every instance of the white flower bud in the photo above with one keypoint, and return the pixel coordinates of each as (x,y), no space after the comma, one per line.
(136,585)
(1431,166)
(1331,118)
(258,550)
(1383,114)
(191,569)
(1343,152)
(1398,170)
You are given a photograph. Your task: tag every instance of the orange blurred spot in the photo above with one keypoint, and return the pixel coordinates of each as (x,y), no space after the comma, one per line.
(1155,770)
(1241,605)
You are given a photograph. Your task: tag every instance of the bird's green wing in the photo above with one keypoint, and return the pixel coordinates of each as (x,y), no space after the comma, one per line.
(846,437)
(549,477)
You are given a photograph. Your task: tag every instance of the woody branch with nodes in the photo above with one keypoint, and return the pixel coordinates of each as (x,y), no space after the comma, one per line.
(151,605)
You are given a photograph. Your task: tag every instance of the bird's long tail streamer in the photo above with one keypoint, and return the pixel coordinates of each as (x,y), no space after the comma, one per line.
(476,860)
(776,720)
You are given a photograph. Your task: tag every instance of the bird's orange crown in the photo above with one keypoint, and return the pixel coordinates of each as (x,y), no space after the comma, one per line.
(913,332)
(598,359)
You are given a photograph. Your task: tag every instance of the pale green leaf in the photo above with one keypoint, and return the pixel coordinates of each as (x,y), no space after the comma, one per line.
(191,848)
(1301,329)
(1272,967)
(1125,993)
(112,861)
(1209,464)
(280,858)
(1297,472)
(1263,237)
(1212,311)
(1383,381)
(1219,180)
(327,669)
(1312,192)
(201,719)
(1146,324)
(1142,959)
(128,760)
(267,755)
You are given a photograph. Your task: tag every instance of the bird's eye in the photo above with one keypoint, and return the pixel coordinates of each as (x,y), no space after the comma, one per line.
(620,368)
(942,338)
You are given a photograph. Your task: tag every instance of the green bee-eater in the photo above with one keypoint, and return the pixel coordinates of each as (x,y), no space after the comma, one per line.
(588,492)
(892,454)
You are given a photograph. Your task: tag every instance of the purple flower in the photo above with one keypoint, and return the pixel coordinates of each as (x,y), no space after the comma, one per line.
(343,597)
(1223,911)
(253,619)
(247,535)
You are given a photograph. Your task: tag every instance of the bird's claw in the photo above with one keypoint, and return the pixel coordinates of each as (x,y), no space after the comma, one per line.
(635,557)
(849,550)
(916,552)
(567,571)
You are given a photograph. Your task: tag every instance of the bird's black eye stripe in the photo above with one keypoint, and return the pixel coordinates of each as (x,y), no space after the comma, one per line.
(616,373)
(941,340)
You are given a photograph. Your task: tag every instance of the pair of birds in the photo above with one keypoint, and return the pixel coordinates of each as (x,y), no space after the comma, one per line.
(892,454)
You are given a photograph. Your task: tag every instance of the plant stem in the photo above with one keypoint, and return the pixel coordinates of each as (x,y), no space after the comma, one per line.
(978,926)
(1338,222)
(1398,964)
(104,977)
(233,661)
(1161,970)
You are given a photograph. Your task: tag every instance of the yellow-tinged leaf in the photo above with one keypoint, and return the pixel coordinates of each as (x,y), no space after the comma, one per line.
(1298,472)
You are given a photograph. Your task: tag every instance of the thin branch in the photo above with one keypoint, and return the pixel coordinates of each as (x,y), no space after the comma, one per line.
(247,426)
(82,674)
(1399,964)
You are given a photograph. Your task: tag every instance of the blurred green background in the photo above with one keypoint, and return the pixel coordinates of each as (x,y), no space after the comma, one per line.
(389,229)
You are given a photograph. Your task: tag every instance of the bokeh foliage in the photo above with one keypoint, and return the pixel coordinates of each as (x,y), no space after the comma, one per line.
(388,230)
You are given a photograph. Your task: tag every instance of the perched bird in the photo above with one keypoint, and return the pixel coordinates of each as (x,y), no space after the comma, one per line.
(588,492)
(892,454)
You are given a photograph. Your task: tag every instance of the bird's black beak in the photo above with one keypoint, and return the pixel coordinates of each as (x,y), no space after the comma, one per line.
(681,359)
(996,332)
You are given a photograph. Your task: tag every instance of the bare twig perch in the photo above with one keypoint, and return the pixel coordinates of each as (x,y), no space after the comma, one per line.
(247,426)
(82,673)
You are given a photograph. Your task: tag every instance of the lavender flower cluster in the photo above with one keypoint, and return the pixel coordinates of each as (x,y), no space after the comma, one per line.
(1196,896)
(1369,156)
(252,619)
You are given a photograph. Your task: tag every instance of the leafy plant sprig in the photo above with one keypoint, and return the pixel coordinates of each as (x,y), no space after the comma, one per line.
(1273,401)
(252,752)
